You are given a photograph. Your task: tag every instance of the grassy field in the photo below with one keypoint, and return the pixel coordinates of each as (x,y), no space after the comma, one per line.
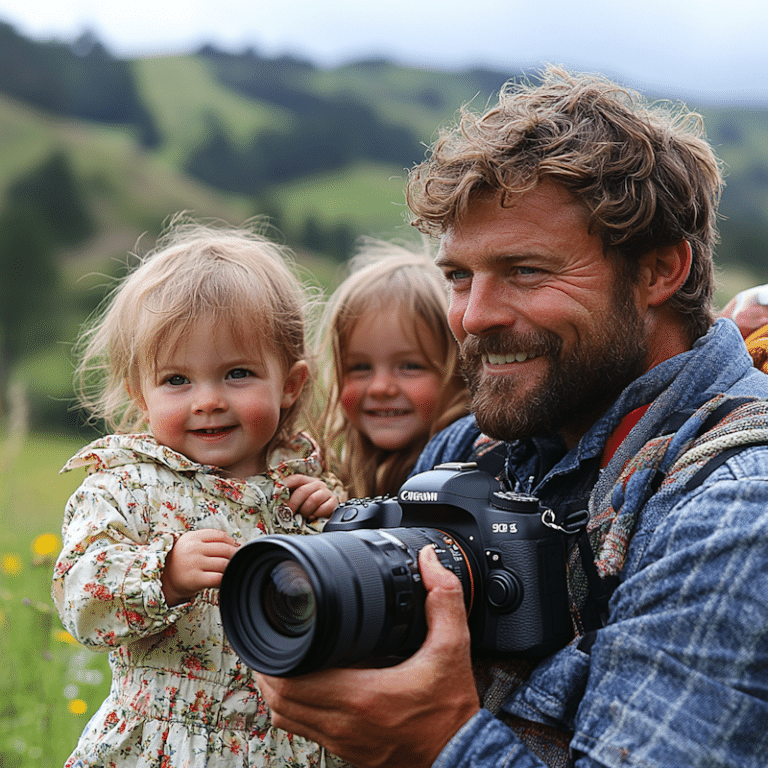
(50,685)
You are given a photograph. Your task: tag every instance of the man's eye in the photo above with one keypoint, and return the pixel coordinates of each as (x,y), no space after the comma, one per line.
(457,275)
(527,271)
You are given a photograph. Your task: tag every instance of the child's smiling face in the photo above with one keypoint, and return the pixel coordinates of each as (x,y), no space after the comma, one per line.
(215,403)
(391,387)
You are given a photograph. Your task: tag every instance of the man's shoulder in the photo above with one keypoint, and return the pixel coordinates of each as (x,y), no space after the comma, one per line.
(754,383)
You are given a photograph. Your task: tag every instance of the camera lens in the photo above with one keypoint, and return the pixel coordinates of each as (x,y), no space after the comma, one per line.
(296,604)
(288,599)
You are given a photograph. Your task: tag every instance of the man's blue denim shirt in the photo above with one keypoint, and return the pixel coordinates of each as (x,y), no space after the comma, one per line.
(679,675)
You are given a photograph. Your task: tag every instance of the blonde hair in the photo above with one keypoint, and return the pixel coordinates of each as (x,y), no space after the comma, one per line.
(384,275)
(236,277)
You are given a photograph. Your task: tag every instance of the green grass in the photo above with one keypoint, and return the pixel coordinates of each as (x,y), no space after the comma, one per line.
(366,195)
(184,96)
(50,685)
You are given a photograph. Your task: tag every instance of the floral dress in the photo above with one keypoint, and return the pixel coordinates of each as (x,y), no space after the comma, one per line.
(180,696)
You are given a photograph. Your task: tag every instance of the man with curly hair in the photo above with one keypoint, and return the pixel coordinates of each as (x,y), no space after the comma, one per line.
(576,225)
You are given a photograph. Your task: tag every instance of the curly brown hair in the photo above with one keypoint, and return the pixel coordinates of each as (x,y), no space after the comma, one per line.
(644,172)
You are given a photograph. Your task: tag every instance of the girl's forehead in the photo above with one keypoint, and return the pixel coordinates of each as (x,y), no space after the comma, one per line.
(375,332)
(209,332)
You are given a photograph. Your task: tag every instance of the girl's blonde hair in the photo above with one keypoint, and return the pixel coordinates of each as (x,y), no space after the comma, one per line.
(234,276)
(384,275)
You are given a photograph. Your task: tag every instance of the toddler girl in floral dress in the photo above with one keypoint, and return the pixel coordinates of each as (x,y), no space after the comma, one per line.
(198,366)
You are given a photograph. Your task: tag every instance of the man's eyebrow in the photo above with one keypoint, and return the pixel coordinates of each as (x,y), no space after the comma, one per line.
(444,262)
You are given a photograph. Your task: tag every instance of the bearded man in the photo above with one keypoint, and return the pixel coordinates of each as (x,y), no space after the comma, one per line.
(576,225)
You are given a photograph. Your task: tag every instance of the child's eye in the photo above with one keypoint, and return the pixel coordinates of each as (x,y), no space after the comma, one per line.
(239,373)
(358,369)
(412,366)
(176,380)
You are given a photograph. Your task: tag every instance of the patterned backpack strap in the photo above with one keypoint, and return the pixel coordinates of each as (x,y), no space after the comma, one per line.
(489,454)
(744,426)
(720,428)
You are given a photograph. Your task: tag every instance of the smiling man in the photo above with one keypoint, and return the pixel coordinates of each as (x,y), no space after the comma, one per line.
(576,227)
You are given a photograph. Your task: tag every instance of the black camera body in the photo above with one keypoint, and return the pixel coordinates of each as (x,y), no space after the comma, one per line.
(295,604)
(520,601)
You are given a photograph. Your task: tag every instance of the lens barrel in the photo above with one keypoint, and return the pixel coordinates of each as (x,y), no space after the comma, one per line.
(296,604)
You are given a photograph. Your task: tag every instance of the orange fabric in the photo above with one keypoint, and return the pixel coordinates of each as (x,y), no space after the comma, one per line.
(757,346)
(761,332)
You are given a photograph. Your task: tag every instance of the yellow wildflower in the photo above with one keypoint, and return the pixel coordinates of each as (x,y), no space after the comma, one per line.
(77,706)
(64,637)
(46,544)
(11,564)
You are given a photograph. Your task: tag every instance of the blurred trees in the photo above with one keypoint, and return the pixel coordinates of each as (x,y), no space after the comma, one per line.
(44,211)
(82,81)
(29,287)
(51,194)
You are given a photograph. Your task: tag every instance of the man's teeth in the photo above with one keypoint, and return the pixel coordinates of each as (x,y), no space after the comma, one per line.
(516,357)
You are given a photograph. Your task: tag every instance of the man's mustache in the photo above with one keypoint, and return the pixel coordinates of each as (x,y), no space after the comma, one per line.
(534,344)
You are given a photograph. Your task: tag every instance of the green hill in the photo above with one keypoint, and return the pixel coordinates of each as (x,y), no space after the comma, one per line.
(323,152)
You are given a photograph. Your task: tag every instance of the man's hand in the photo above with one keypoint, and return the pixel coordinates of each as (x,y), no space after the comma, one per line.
(196,562)
(311,497)
(398,716)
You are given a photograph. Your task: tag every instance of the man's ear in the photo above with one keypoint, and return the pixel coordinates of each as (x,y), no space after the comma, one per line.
(663,271)
(294,383)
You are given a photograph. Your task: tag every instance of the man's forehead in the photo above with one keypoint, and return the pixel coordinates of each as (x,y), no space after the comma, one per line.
(548,211)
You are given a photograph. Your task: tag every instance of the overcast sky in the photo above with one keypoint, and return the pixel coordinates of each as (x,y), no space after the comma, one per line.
(703,50)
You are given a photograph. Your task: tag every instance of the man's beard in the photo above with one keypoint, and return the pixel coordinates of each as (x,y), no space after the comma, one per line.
(578,387)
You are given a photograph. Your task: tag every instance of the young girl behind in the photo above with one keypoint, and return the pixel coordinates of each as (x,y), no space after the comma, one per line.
(392,367)
(203,345)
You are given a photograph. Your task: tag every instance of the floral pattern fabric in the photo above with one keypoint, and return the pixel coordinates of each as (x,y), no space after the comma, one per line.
(180,695)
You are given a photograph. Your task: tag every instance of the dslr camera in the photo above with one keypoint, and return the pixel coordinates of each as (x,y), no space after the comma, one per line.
(353,595)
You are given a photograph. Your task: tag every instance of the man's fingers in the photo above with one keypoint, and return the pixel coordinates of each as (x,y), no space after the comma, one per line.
(445,608)
(308,706)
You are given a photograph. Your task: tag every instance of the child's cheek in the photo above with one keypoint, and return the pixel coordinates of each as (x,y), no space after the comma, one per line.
(351,398)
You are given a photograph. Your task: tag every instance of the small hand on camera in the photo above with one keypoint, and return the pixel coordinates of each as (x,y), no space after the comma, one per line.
(395,716)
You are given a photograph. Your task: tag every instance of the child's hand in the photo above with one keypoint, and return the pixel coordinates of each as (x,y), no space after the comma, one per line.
(196,562)
(311,497)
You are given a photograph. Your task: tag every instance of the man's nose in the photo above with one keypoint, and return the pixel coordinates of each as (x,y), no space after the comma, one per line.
(481,310)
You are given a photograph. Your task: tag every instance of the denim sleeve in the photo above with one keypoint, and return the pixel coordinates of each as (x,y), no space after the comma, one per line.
(454,443)
(484,742)
(679,676)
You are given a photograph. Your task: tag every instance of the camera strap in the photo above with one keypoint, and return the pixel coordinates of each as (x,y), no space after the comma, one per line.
(594,609)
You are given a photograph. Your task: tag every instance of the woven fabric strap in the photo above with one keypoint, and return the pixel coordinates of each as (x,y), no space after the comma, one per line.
(676,458)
